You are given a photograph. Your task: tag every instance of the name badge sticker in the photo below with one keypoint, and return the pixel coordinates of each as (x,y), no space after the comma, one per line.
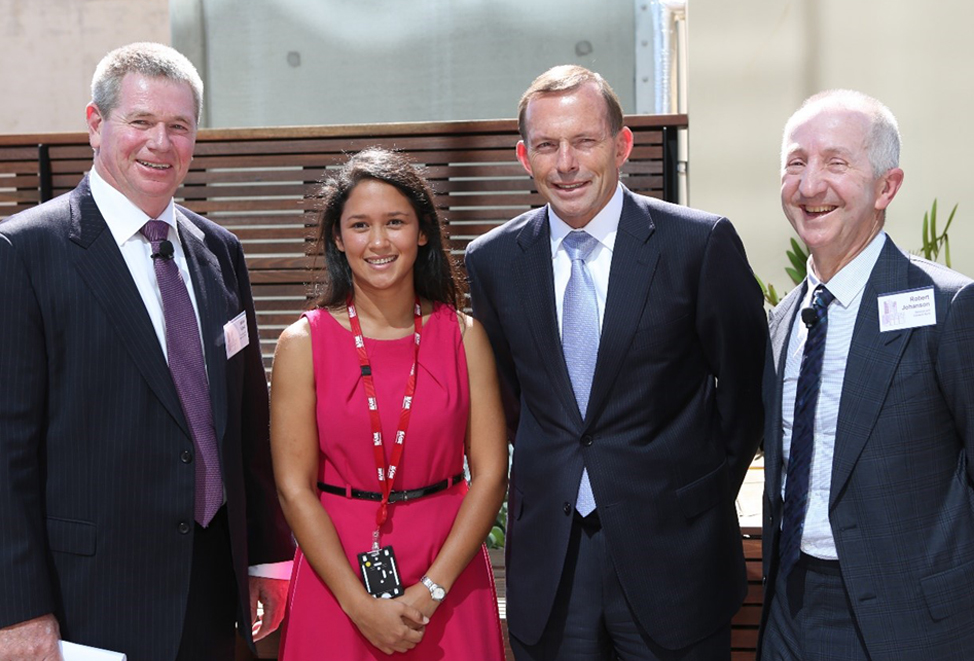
(236,334)
(907,309)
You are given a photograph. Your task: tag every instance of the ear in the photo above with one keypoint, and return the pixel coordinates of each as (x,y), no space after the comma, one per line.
(338,240)
(522,155)
(94,121)
(888,185)
(422,239)
(624,141)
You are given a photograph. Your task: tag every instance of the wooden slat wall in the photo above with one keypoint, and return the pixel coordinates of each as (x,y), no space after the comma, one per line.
(256,182)
(744,626)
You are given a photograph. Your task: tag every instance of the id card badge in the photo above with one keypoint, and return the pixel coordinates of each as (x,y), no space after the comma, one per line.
(380,573)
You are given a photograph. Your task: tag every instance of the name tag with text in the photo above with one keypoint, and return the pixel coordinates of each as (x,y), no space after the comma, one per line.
(237,334)
(907,309)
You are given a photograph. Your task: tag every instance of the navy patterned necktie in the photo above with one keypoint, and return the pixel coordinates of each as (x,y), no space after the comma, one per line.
(580,338)
(803,427)
(188,371)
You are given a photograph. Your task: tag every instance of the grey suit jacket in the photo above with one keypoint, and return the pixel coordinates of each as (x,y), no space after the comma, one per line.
(902,495)
(673,419)
(96,478)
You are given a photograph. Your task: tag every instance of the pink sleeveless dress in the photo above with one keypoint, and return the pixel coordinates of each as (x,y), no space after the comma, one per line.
(466,625)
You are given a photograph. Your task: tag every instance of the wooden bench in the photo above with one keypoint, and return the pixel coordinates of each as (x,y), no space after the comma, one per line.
(256,182)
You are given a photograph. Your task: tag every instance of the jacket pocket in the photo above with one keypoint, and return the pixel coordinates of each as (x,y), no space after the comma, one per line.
(949,591)
(704,492)
(71,536)
(517,503)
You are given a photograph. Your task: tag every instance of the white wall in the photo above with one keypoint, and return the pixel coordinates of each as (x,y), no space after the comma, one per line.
(752,62)
(51,48)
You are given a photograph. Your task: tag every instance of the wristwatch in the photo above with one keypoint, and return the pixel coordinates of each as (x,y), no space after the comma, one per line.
(436,591)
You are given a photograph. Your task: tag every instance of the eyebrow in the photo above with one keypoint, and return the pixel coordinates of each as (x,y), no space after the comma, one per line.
(388,214)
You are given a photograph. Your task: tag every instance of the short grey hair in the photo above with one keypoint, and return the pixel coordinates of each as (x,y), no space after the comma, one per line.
(883,140)
(148,59)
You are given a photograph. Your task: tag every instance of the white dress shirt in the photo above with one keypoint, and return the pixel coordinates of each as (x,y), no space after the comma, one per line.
(847,286)
(604,227)
(125,222)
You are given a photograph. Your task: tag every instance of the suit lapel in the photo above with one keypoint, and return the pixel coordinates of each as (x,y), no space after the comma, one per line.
(104,271)
(534,278)
(873,358)
(780,326)
(204,271)
(634,259)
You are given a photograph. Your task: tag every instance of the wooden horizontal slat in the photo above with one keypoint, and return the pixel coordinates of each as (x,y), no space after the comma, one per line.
(259,183)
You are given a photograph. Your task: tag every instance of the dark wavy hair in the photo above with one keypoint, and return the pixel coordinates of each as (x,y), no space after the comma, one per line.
(435,274)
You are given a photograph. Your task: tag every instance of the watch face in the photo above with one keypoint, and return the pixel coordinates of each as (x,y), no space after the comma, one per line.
(438,593)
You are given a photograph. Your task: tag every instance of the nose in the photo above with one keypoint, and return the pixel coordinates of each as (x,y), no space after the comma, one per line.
(159,137)
(812,182)
(378,236)
(566,158)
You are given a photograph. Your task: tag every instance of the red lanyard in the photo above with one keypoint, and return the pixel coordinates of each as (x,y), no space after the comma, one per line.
(386,474)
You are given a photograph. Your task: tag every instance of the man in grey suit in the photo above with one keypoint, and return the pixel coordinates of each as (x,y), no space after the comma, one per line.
(137,506)
(630,339)
(869,492)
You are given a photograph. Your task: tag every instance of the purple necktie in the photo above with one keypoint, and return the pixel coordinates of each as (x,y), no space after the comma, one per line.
(187,369)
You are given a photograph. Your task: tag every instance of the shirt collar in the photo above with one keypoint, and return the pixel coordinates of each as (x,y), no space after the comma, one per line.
(123,218)
(604,226)
(851,279)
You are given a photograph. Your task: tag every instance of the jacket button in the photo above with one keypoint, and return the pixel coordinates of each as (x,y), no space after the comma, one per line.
(587,440)
(186,456)
(183,528)
(567,508)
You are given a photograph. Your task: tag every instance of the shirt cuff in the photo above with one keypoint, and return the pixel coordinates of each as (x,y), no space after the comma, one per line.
(278,570)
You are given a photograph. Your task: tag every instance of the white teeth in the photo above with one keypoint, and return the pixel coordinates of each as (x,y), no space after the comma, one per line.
(819,209)
(380,261)
(154,166)
(570,186)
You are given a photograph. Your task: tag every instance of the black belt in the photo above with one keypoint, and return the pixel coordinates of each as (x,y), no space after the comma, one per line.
(819,565)
(395,496)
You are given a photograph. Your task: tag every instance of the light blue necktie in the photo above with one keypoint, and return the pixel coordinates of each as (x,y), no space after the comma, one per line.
(580,338)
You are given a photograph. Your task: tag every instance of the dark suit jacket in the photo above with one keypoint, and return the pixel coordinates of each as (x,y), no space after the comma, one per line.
(674,415)
(96,503)
(901,506)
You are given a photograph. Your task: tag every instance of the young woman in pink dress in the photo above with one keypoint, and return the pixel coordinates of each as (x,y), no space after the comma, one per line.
(371,418)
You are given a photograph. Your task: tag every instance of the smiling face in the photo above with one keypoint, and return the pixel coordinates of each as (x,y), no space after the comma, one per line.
(144,147)
(828,189)
(571,152)
(380,236)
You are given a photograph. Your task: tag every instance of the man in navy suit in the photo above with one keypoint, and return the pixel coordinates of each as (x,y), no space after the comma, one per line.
(630,338)
(869,491)
(103,540)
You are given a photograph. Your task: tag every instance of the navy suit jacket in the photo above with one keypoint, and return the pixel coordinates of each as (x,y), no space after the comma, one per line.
(901,506)
(674,415)
(96,502)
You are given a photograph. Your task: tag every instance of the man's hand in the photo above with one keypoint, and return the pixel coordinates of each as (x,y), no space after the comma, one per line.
(33,640)
(272,593)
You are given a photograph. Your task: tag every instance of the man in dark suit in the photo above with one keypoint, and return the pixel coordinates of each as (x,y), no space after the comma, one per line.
(630,339)
(869,492)
(132,505)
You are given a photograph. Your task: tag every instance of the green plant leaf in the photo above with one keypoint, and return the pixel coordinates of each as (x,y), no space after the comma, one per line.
(946,251)
(950,219)
(795,276)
